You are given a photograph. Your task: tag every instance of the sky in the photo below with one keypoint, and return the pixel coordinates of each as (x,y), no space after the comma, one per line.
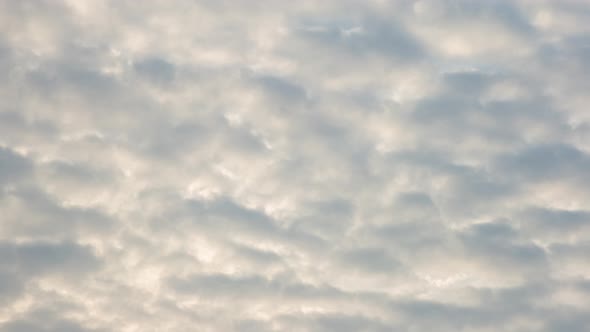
(334,165)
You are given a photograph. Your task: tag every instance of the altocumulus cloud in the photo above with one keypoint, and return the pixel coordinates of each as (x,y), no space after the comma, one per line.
(294,165)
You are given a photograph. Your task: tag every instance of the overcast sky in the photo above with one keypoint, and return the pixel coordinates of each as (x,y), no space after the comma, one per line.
(333,165)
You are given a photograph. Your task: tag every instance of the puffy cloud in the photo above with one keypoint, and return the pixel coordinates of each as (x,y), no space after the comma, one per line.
(277,166)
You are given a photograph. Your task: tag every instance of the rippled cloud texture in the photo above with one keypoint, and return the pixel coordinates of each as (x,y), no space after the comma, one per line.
(214,165)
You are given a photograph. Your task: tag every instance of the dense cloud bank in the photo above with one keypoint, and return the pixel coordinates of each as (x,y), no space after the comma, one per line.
(294,165)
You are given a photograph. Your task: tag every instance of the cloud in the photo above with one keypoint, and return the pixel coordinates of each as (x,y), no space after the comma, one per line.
(274,166)
(14,166)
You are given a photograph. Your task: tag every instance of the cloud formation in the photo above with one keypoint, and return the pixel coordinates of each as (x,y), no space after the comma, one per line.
(294,166)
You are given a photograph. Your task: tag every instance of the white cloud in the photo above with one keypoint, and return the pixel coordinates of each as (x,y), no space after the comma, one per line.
(276,166)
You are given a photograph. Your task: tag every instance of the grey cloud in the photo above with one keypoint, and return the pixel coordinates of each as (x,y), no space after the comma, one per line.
(556,222)
(370,260)
(337,322)
(509,306)
(155,70)
(376,35)
(326,218)
(24,263)
(505,12)
(45,321)
(13,166)
(498,122)
(22,326)
(499,243)
(79,172)
(246,287)
(11,286)
(259,256)
(286,91)
(469,82)
(172,140)
(547,162)
(37,214)
(34,258)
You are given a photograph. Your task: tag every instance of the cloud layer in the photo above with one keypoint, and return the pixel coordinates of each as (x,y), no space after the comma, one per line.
(294,166)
